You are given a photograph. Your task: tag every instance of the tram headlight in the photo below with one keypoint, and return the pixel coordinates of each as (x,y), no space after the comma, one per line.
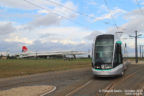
(97,67)
(108,66)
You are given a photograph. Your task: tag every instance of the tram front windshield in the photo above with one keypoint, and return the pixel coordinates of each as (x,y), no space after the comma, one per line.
(104,50)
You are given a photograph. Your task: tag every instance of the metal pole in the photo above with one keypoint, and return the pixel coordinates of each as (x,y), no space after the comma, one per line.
(136,50)
(140,51)
(136,54)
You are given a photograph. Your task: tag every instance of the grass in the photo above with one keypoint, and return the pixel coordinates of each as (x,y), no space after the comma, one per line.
(20,67)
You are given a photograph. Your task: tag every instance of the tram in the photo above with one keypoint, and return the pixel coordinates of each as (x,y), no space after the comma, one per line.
(107,57)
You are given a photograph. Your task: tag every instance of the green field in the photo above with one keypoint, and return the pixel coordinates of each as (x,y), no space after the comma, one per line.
(19,67)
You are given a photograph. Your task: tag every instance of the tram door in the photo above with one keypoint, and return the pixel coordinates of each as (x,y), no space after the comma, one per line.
(118,59)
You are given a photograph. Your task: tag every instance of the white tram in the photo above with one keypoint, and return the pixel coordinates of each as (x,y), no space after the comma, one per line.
(107,57)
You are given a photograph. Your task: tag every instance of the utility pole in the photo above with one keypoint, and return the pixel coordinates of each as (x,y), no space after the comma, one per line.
(140,51)
(136,51)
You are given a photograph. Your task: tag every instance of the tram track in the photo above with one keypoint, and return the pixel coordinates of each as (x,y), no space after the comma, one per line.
(110,86)
(78,88)
(116,82)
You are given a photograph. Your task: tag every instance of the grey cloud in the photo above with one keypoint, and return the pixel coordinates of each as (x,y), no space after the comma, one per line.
(46,20)
(135,22)
(134,14)
(14,16)
(23,4)
(93,35)
(6,28)
(54,15)
(49,46)
(47,35)
(12,47)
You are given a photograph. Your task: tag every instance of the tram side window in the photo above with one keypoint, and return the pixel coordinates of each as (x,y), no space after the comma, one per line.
(118,55)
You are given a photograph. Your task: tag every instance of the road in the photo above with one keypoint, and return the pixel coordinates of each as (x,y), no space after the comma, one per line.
(81,82)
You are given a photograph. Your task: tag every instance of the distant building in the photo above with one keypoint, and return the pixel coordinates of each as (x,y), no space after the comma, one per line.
(4,57)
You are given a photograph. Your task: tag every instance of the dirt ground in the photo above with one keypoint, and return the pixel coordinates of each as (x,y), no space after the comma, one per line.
(27,91)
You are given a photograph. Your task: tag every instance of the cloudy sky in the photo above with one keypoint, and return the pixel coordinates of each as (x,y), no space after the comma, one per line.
(53,25)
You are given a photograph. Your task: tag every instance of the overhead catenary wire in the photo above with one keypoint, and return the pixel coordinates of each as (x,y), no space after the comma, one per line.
(72,10)
(115,24)
(59,4)
(38,6)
